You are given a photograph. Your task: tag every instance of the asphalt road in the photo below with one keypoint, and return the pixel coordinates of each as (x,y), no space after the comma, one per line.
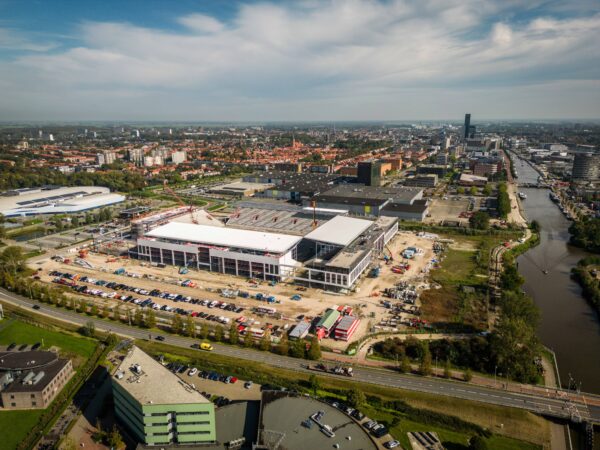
(548,404)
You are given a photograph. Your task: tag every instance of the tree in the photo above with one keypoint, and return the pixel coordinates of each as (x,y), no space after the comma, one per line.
(114,440)
(535,226)
(468,375)
(89,329)
(447,371)
(218,333)
(460,190)
(234,334)
(355,398)
(117,313)
(480,220)
(405,364)
(94,310)
(477,443)
(474,190)
(487,190)
(298,348)
(425,365)
(248,340)
(503,207)
(511,279)
(313,381)
(265,342)
(314,352)
(283,348)
(190,327)
(81,306)
(150,319)
(12,259)
(204,331)
(176,324)
(138,317)
(105,312)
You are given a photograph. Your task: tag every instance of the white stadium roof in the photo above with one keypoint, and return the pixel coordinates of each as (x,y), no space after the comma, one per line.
(57,200)
(226,237)
(340,230)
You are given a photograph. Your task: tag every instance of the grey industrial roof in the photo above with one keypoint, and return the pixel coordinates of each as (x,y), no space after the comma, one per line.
(282,418)
(362,192)
(156,384)
(418,206)
(49,370)
(25,360)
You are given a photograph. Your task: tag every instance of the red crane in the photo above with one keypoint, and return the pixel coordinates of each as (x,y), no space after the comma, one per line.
(181,202)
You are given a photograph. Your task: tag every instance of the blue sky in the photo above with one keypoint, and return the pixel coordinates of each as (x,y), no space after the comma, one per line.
(306,60)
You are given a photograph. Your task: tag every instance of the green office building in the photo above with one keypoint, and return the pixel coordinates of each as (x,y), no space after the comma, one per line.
(157,407)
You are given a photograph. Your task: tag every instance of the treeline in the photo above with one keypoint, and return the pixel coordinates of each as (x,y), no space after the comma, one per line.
(588,279)
(23,176)
(586,234)
(503,206)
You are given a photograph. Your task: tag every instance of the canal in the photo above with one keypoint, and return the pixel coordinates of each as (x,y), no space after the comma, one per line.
(569,326)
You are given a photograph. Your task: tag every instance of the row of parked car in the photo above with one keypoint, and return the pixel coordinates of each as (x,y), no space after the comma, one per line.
(13,347)
(68,279)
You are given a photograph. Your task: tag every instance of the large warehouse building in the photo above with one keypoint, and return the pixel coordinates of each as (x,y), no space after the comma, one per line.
(56,200)
(157,407)
(333,255)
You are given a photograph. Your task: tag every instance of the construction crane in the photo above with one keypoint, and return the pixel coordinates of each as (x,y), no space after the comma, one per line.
(313,203)
(181,202)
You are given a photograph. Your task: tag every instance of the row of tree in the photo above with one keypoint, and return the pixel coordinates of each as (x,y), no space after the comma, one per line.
(21,175)
(503,206)
(586,234)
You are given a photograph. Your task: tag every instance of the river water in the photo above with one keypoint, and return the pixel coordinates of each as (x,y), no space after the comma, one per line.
(569,326)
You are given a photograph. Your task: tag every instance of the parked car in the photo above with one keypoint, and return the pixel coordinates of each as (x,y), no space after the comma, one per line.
(392,444)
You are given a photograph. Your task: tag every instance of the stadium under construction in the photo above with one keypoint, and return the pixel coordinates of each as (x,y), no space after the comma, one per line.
(318,247)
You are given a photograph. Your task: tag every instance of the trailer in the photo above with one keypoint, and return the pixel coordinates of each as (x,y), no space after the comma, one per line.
(336,370)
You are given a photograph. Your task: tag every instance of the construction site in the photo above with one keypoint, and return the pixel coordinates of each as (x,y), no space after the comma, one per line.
(271,267)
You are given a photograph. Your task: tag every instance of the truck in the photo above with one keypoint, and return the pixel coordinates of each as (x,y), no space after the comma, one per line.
(336,370)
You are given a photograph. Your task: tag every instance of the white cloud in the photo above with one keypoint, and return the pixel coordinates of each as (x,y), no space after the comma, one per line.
(352,53)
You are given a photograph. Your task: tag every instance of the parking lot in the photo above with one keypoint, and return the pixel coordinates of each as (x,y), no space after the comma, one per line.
(205,382)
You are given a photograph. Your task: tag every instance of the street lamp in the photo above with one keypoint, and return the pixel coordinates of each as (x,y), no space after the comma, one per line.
(495,369)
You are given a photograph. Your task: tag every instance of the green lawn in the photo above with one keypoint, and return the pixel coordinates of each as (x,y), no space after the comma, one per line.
(454,440)
(14,426)
(22,333)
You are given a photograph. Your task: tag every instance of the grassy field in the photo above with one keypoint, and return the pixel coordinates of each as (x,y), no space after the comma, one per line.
(465,263)
(451,440)
(14,426)
(23,333)
(505,422)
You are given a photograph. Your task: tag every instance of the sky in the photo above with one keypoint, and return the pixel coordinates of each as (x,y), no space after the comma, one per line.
(311,60)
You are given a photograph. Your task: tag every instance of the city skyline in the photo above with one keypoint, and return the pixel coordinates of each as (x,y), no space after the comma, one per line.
(301,61)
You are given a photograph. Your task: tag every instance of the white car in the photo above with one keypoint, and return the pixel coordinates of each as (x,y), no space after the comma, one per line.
(392,444)
(193,371)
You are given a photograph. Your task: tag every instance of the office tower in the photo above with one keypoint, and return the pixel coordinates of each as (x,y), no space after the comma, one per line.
(467,125)
(369,173)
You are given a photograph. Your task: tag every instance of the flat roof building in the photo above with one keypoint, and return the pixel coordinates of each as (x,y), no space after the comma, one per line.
(246,253)
(157,407)
(56,200)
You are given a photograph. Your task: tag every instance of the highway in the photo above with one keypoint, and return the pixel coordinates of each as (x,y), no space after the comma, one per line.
(561,405)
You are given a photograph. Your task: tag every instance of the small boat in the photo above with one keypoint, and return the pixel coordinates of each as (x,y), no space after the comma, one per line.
(545,272)
(522,195)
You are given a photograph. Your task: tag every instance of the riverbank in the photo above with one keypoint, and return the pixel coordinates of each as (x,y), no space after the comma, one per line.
(569,325)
